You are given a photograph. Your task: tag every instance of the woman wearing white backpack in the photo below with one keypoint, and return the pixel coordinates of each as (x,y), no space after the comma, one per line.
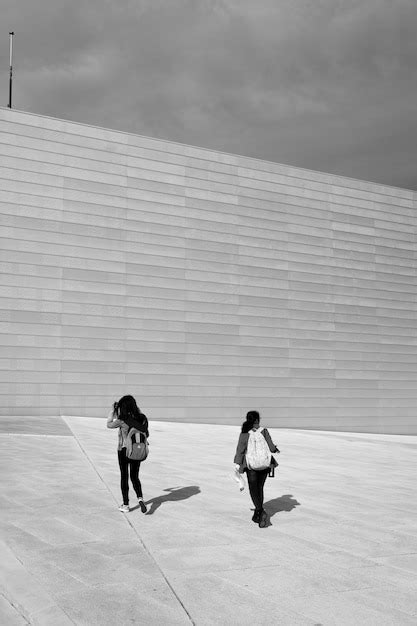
(254,456)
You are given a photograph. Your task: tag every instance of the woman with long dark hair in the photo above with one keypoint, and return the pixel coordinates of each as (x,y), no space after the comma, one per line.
(256,477)
(124,416)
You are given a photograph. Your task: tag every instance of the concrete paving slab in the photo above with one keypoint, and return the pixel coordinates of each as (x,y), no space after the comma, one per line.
(50,616)
(10,615)
(24,592)
(348,609)
(55,531)
(406,562)
(214,558)
(388,599)
(48,426)
(339,549)
(344,559)
(52,576)
(213,601)
(23,544)
(117,603)
(292,575)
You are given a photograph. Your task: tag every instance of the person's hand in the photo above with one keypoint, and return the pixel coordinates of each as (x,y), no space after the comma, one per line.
(236,466)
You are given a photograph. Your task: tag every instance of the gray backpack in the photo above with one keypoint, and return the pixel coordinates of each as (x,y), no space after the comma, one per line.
(136,450)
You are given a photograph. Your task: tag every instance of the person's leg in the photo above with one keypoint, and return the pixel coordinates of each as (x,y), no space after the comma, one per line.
(137,486)
(252,476)
(124,475)
(134,477)
(261,478)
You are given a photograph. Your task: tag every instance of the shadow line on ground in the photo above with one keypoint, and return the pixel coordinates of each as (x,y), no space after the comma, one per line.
(285,503)
(174,494)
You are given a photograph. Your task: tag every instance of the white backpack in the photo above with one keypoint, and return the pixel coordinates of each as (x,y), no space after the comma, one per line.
(258,454)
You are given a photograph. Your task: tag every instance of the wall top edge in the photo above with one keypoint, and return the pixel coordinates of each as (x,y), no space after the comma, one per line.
(229,158)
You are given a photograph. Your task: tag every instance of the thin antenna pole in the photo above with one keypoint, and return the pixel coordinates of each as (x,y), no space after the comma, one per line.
(11,69)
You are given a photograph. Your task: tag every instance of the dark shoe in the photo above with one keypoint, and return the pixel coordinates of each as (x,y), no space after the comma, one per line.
(256,517)
(143,506)
(263,519)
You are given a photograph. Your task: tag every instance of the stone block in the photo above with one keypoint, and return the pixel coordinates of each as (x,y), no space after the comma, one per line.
(110,242)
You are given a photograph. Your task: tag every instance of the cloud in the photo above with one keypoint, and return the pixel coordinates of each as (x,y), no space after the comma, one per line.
(323,84)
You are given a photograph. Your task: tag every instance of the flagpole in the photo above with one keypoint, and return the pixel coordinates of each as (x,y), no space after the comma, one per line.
(11,69)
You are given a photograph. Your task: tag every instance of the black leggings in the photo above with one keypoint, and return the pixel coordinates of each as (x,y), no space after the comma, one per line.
(124,463)
(256,482)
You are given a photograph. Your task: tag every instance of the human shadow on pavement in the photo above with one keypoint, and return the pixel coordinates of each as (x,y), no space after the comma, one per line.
(174,495)
(284,503)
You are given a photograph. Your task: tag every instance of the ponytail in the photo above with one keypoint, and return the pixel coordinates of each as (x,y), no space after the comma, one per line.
(251,418)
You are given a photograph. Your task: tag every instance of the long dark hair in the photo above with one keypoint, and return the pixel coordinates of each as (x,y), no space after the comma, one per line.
(127,407)
(251,418)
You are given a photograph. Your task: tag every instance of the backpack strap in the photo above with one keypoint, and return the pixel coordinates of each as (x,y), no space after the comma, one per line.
(129,439)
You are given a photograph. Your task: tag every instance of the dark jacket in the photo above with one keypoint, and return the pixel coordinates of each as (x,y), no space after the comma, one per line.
(242,444)
(133,422)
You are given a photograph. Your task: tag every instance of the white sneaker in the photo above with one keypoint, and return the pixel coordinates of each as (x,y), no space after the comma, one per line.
(124,508)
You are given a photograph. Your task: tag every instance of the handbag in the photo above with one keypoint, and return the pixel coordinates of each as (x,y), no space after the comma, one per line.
(136,450)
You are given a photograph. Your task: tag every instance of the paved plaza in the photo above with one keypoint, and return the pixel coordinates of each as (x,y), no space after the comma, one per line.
(340,547)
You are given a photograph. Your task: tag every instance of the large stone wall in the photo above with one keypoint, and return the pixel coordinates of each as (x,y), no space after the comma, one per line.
(203,283)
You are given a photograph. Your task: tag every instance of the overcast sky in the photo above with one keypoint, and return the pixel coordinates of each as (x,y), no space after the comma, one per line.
(328,85)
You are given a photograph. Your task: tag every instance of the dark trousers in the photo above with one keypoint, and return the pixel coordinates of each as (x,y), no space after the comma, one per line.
(124,463)
(256,482)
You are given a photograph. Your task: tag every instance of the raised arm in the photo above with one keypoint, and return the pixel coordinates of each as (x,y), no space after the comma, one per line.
(113,421)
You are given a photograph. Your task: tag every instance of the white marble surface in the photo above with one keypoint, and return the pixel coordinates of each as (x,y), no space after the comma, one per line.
(339,549)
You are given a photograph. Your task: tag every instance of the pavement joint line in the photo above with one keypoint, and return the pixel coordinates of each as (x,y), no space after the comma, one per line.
(385,556)
(20,609)
(15,608)
(145,547)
